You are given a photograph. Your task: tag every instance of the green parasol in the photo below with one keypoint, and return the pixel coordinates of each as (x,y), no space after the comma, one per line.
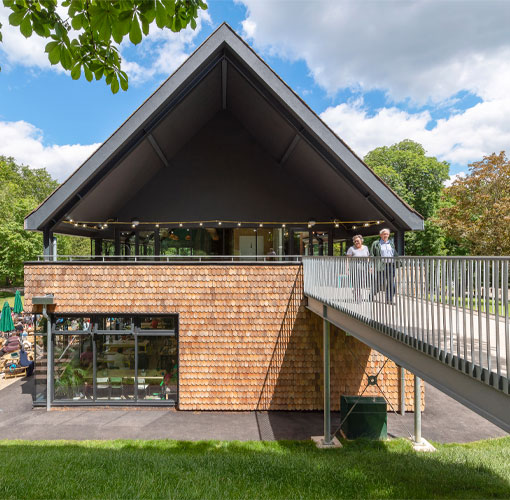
(6,324)
(18,306)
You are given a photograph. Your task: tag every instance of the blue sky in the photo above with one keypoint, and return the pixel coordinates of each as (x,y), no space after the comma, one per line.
(436,71)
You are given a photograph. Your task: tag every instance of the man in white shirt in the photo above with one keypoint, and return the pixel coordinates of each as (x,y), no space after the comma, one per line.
(385,268)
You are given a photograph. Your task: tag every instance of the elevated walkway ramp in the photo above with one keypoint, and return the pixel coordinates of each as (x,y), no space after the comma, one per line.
(428,315)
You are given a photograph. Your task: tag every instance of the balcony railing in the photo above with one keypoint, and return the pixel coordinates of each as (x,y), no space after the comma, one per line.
(453,308)
(179,259)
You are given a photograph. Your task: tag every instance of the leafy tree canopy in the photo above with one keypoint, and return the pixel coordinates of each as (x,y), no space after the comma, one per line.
(476,208)
(419,180)
(21,190)
(84,34)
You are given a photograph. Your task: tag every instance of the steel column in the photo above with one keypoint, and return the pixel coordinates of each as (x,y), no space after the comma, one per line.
(417,409)
(49,359)
(327,384)
(402,390)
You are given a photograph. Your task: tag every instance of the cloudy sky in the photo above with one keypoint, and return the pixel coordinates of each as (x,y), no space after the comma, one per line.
(377,71)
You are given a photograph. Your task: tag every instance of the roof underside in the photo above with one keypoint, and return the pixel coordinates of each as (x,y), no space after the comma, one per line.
(219,140)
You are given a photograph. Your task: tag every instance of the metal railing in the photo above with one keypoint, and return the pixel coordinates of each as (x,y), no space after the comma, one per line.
(181,259)
(455,309)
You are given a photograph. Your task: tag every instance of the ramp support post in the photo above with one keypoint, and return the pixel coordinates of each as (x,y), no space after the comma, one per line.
(417,410)
(327,385)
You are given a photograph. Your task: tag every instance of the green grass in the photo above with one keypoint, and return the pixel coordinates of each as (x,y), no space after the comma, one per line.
(6,296)
(285,469)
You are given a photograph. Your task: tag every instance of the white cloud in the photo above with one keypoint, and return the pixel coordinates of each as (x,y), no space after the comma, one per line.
(24,142)
(18,50)
(460,139)
(165,49)
(423,50)
(453,178)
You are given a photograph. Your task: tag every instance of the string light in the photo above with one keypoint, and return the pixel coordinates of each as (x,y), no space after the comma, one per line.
(209,223)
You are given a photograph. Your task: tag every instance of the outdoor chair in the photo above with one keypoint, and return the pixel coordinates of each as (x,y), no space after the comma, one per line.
(142,387)
(116,386)
(102,384)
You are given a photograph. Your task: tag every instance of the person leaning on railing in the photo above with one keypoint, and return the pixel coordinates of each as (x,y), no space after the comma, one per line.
(384,267)
(356,269)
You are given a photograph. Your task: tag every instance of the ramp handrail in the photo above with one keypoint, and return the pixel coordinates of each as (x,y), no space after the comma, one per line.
(455,309)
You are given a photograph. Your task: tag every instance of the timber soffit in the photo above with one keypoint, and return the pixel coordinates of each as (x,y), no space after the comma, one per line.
(138,125)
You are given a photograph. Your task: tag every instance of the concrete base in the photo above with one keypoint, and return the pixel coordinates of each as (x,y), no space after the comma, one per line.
(424,445)
(319,442)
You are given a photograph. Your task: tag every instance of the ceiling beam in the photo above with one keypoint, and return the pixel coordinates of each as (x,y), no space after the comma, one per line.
(158,150)
(224,84)
(290,149)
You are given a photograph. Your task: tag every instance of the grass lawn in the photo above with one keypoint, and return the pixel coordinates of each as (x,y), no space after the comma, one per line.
(6,296)
(284,469)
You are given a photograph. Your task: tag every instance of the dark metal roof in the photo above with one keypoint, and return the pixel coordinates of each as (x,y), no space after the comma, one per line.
(223,137)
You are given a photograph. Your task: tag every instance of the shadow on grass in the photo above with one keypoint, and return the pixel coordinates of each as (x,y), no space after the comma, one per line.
(284,469)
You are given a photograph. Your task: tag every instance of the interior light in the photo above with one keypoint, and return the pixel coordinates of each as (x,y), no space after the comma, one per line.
(366,224)
(71,220)
(157,225)
(84,225)
(135,222)
(337,224)
(354,227)
(261,225)
(283,225)
(219,223)
(76,225)
(311,223)
(238,223)
(201,224)
(180,224)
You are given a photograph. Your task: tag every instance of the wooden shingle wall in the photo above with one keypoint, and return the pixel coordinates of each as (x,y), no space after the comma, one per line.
(246,340)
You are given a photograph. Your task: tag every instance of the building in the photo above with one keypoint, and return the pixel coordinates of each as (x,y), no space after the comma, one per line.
(199,207)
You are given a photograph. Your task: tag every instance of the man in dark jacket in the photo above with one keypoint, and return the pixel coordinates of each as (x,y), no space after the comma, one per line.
(384,267)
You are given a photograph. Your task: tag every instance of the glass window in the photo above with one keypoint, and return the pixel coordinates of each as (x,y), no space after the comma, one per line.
(146,243)
(157,368)
(157,322)
(71,324)
(185,241)
(115,373)
(114,323)
(73,367)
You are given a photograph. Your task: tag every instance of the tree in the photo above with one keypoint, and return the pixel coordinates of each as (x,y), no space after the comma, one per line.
(87,37)
(476,208)
(21,190)
(419,180)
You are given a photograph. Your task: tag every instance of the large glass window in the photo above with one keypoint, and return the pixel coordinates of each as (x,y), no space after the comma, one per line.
(136,362)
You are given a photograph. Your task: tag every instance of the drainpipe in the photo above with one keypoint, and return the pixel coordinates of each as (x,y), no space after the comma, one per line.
(49,356)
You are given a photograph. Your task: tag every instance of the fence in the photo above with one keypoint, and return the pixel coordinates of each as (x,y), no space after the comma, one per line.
(452,308)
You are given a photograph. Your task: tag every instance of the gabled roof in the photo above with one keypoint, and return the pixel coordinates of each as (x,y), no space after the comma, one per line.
(223,73)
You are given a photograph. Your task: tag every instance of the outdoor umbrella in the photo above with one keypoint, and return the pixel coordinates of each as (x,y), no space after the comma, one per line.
(6,323)
(18,306)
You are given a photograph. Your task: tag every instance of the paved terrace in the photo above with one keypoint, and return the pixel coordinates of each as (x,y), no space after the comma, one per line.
(444,420)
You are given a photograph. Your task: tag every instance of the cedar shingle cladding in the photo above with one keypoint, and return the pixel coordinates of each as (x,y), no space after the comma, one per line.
(246,340)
